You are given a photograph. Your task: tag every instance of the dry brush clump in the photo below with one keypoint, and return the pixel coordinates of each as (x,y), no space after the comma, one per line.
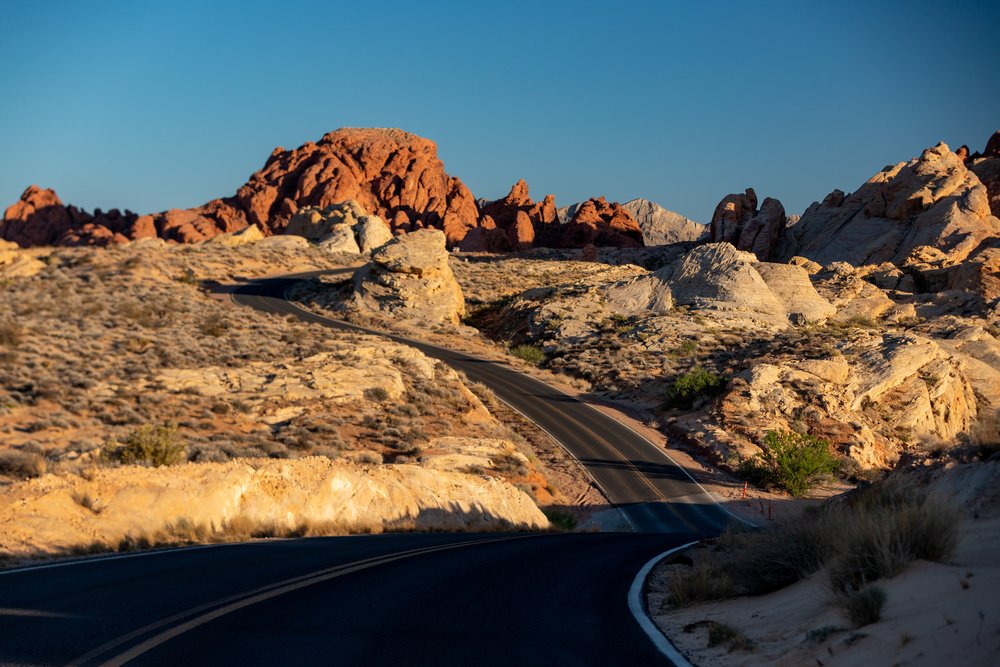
(871,534)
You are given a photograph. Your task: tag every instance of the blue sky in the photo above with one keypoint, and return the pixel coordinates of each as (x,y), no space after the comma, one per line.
(150,106)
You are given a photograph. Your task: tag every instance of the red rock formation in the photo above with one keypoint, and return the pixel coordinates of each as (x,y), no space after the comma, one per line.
(993,146)
(737,221)
(519,218)
(987,168)
(598,223)
(40,218)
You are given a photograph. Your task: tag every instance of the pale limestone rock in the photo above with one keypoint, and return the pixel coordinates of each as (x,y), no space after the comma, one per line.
(372,232)
(465,454)
(716,277)
(16,262)
(409,277)
(41,516)
(251,234)
(930,201)
(340,239)
(791,285)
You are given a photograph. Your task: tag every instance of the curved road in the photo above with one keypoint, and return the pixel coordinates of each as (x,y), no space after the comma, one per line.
(414,599)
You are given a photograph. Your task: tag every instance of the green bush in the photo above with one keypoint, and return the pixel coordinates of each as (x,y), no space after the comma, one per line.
(560,520)
(790,461)
(147,445)
(530,353)
(865,606)
(692,385)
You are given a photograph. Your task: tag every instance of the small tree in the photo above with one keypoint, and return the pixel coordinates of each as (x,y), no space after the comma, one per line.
(791,461)
(686,388)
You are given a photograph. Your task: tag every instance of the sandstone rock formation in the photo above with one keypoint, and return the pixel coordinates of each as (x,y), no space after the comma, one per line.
(517,218)
(394,174)
(40,218)
(737,221)
(409,278)
(344,227)
(597,222)
(933,200)
(251,234)
(987,168)
(662,227)
(45,515)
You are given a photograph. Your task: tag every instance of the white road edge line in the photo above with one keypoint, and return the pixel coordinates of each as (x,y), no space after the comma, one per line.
(638,609)
(112,556)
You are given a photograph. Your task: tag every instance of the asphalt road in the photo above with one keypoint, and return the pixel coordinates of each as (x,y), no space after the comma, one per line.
(405,599)
(409,599)
(654,493)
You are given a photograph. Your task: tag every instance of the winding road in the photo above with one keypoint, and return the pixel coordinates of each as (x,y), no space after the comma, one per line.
(412,599)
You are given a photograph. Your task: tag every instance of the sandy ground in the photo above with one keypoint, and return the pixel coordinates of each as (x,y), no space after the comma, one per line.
(936,613)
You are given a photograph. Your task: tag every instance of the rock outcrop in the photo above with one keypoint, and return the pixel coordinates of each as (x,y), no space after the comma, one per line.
(731,284)
(933,201)
(599,223)
(393,174)
(46,516)
(409,278)
(737,221)
(987,168)
(40,218)
(345,227)
(17,263)
(517,220)
(662,227)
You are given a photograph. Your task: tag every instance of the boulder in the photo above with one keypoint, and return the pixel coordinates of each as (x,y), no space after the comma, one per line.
(409,278)
(340,239)
(17,263)
(251,234)
(371,232)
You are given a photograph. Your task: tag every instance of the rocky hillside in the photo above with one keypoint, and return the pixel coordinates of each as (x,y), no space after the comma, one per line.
(390,173)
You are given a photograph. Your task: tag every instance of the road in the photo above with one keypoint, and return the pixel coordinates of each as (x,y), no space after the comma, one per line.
(654,493)
(413,599)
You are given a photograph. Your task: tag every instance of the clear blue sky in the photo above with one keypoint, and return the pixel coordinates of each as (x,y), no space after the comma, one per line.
(153,105)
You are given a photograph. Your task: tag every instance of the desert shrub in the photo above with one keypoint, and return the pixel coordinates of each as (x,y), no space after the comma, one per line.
(147,445)
(20,464)
(704,581)
(985,435)
(10,333)
(530,353)
(790,461)
(888,532)
(694,384)
(865,606)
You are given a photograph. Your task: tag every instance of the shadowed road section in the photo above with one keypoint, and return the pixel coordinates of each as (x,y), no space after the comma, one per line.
(654,493)
(362,600)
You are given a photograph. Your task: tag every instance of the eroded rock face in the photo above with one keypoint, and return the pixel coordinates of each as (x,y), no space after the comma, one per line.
(344,227)
(409,278)
(933,201)
(737,221)
(42,516)
(987,168)
(519,218)
(387,171)
(662,227)
(597,222)
(40,218)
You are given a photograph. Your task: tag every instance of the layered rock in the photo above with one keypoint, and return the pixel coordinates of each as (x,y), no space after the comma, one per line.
(662,227)
(987,168)
(933,201)
(409,278)
(738,221)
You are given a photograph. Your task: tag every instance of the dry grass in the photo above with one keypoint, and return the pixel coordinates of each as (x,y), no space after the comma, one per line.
(869,535)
